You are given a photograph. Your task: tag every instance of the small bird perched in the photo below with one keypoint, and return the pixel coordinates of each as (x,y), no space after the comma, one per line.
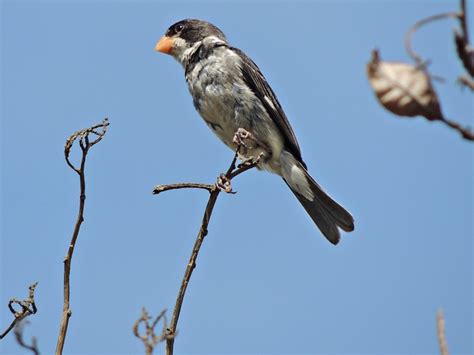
(235,100)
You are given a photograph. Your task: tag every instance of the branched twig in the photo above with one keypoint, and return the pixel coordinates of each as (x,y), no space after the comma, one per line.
(464,51)
(83,136)
(408,36)
(27,307)
(223,184)
(462,43)
(84,142)
(150,339)
(19,338)
(441,331)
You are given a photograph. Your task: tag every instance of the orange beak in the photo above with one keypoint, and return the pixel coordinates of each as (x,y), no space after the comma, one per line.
(164,45)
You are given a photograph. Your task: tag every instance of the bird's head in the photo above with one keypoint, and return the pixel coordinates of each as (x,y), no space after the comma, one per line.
(182,38)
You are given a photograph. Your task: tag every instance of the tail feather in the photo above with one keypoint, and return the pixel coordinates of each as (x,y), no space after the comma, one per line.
(321,218)
(326,213)
(343,218)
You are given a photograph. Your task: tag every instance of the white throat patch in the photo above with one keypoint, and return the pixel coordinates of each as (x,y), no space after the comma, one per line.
(182,51)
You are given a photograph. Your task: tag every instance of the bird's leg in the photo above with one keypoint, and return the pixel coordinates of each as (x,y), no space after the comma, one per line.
(250,161)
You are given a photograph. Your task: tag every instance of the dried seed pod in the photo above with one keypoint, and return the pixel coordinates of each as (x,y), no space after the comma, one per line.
(403,89)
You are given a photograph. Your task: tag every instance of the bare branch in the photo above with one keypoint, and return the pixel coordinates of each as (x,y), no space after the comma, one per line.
(85,144)
(27,307)
(441,331)
(19,338)
(149,338)
(83,136)
(463,19)
(461,39)
(223,184)
(416,26)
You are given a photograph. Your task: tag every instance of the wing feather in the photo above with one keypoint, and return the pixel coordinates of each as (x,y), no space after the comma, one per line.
(254,78)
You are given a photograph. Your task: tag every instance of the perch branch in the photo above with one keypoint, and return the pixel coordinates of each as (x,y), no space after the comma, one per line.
(223,184)
(186,185)
(27,306)
(83,137)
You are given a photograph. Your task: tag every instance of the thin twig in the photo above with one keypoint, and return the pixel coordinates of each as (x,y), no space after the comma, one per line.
(464,50)
(232,172)
(19,338)
(150,339)
(27,306)
(463,19)
(441,331)
(186,185)
(416,26)
(465,132)
(223,184)
(85,144)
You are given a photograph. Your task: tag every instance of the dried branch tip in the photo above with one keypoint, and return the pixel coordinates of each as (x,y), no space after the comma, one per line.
(26,308)
(98,131)
(149,337)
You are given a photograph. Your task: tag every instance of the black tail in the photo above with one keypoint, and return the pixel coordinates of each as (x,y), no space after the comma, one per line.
(325,212)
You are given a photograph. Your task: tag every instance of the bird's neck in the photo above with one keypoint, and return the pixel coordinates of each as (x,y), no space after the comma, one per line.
(192,54)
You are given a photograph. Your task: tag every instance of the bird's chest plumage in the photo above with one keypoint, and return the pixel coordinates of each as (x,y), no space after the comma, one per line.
(221,96)
(226,103)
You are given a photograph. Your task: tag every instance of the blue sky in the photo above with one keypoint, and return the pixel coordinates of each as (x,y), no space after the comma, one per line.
(266,280)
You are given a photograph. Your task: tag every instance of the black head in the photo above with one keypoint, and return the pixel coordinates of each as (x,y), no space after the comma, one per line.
(192,30)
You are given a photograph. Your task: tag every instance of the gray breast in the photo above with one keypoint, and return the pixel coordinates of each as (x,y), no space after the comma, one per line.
(226,103)
(220,94)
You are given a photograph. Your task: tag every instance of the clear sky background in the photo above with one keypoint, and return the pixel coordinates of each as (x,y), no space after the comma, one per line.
(266,280)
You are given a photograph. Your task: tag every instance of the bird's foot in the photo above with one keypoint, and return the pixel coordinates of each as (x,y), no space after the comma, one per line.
(244,138)
(250,161)
(223,183)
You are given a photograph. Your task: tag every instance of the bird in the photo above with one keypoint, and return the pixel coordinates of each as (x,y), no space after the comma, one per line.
(235,100)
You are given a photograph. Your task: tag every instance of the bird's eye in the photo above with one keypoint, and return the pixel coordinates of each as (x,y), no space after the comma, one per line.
(179,27)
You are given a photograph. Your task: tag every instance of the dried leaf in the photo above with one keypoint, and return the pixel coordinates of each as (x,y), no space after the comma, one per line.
(403,89)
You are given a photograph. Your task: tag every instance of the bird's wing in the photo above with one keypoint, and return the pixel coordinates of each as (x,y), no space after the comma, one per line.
(254,78)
